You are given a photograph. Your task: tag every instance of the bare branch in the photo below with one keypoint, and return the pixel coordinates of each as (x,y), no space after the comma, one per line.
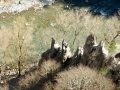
(115,36)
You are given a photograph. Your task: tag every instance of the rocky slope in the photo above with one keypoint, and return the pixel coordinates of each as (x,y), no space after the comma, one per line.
(21,5)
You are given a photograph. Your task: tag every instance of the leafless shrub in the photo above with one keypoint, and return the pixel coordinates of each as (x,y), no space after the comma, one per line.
(111,40)
(81,78)
(34,78)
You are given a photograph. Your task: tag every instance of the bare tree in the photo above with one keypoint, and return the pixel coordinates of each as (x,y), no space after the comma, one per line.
(20,45)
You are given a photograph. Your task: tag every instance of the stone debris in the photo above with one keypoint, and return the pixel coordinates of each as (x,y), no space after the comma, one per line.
(23,5)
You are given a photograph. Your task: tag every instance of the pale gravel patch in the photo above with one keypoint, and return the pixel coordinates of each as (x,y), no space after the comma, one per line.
(22,5)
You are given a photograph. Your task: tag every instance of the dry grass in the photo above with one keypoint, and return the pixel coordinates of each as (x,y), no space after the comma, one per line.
(86,23)
(81,78)
(35,78)
(37,30)
(48,77)
(9,42)
(37,36)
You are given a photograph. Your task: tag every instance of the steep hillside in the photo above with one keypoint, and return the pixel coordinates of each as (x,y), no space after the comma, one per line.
(25,36)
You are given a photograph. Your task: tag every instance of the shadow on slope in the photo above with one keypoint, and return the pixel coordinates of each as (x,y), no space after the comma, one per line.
(106,8)
(79,78)
(31,80)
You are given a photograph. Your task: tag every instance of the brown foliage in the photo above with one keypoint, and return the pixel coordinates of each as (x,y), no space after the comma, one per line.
(80,78)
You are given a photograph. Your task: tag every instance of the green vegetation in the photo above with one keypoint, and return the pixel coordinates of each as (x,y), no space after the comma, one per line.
(26,35)
(111,46)
(37,28)
(104,70)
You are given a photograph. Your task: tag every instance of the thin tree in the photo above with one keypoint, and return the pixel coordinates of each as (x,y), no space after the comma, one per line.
(20,45)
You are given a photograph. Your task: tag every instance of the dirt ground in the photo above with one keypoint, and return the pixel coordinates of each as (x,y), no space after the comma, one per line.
(5,2)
